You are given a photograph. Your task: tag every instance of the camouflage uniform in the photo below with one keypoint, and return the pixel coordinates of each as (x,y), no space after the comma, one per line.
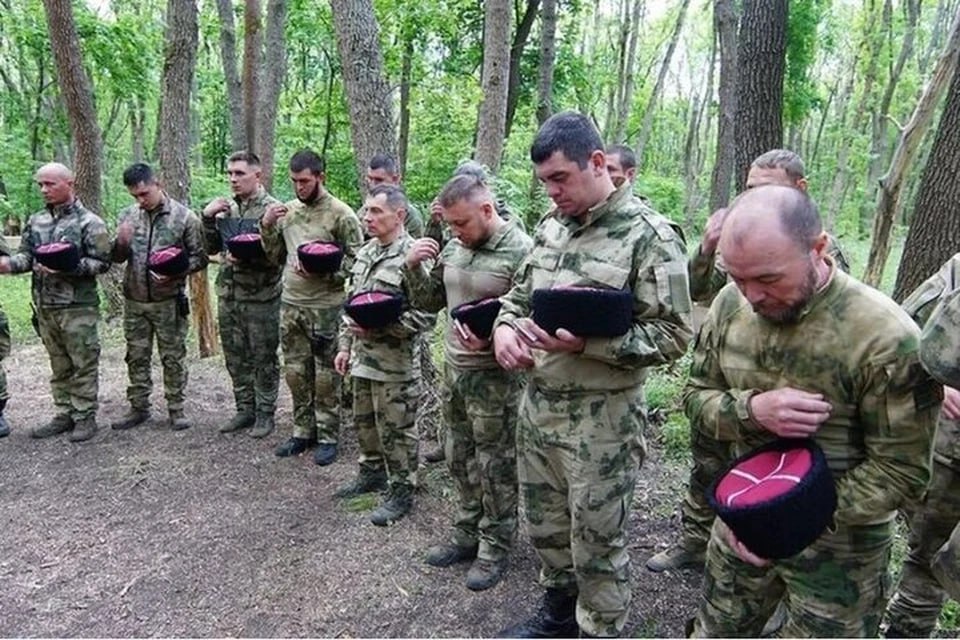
(151,307)
(311,311)
(480,398)
(4,339)
(580,434)
(67,303)
(915,607)
(857,348)
(248,309)
(412,222)
(385,386)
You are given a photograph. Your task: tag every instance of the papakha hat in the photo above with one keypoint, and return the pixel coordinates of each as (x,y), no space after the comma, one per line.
(583,311)
(320,257)
(246,247)
(59,256)
(374,309)
(778,499)
(169,261)
(478,315)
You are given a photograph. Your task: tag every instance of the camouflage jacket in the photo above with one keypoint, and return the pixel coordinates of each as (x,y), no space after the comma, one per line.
(620,244)
(853,345)
(256,281)
(386,355)
(413,222)
(708,275)
(328,219)
(463,274)
(440,232)
(77,224)
(173,224)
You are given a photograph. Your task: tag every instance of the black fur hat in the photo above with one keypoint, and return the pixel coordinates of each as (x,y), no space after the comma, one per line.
(246,247)
(583,311)
(320,257)
(777,499)
(59,256)
(374,309)
(169,261)
(478,315)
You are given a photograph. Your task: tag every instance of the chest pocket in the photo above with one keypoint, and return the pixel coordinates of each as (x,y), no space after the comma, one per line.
(388,280)
(605,274)
(543,265)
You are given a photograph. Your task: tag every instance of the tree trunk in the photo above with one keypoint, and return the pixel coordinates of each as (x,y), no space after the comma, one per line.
(252,45)
(761,60)
(692,152)
(647,122)
(498,16)
(368,94)
(516,55)
(228,56)
(725,25)
(548,57)
(892,183)
(406,68)
(271,76)
(627,79)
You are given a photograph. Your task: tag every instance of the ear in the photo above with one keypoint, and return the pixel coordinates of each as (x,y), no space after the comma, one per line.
(402,214)
(598,161)
(801,184)
(322,177)
(630,173)
(820,244)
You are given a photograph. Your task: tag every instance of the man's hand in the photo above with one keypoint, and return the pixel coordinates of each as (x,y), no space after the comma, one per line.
(468,339)
(789,412)
(536,338)
(742,552)
(43,270)
(160,278)
(422,249)
(355,329)
(4,264)
(510,352)
(273,213)
(436,210)
(711,232)
(950,409)
(341,362)
(229,259)
(216,206)
(125,234)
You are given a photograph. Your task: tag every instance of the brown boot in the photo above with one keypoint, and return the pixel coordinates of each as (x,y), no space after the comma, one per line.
(84,430)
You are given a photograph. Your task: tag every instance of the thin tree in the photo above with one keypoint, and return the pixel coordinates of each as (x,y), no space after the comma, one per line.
(491,126)
(516,56)
(270,78)
(548,56)
(625,71)
(228,57)
(725,22)
(252,45)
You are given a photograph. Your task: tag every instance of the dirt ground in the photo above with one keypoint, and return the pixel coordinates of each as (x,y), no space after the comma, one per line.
(155,533)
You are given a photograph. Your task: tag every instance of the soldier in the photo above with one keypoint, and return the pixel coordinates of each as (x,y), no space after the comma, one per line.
(915,607)
(248,299)
(66,303)
(4,352)
(621,162)
(381,363)
(798,349)
(480,403)
(383,169)
(707,277)
(581,418)
(310,310)
(155,305)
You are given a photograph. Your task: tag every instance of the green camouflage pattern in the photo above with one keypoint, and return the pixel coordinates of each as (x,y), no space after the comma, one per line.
(4,352)
(708,275)
(384,413)
(327,219)
(70,337)
(76,224)
(254,281)
(142,322)
(946,565)
(710,457)
(835,588)
(308,337)
(250,335)
(940,342)
(388,354)
(172,224)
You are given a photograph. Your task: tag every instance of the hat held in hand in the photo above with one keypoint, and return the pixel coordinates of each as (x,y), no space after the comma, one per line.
(58,256)
(374,309)
(246,247)
(778,499)
(583,311)
(478,315)
(169,261)
(320,257)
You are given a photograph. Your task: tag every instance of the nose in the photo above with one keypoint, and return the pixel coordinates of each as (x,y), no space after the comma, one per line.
(754,293)
(552,191)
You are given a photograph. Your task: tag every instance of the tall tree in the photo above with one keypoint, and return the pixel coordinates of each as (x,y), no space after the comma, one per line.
(271,82)
(491,126)
(228,57)
(622,104)
(548,57)
(514,82)
(252,46)
(725,22)
(368,94)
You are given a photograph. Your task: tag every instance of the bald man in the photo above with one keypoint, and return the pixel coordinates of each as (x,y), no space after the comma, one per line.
(795,348)
(66,302)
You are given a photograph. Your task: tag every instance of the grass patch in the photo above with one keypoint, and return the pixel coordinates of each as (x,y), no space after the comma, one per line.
(363,502)
(15,299)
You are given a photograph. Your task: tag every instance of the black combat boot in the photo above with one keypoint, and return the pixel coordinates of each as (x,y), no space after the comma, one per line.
(397,504)
(368,480)
(556,618)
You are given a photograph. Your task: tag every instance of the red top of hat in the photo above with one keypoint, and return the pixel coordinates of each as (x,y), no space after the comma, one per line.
(246,237)
(162,255)
(320,248)
(763,477)
(370,298)
(54,247)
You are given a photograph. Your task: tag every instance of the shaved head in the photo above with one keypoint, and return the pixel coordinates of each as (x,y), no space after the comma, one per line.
(778,209)
(56,184)
(55,170)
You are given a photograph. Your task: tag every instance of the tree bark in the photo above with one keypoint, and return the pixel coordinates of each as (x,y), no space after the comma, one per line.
(368,94)
(761,61)
(228,56)
(252,45)
(548,57)
(271,75)
(626,81)
(516,55)
(725,22)
(406,68)
(491,125)
(892,183)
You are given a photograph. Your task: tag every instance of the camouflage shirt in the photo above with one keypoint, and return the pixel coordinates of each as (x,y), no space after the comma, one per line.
(327,219)
(708,275)
(619,244)
(464,274)
(386,355)
(74,223)
(853,345)
(172,224)
(254,281)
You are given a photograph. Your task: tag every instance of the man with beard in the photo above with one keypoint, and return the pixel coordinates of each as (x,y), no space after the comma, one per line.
(311,303)
(795,348)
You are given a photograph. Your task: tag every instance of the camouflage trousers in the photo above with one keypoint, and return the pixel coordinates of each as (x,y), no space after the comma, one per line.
(946,564)
(4,352)
(250,335)
(309,339)
(480,411)
(710,457)
(578,455)
(384,414)
(835,588)
(142,321)
(70,337)
(916,605)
